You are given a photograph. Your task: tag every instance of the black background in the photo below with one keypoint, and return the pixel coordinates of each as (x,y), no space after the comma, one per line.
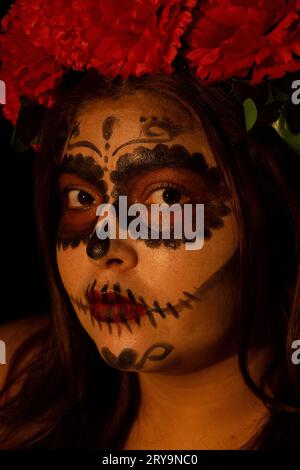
(24,288)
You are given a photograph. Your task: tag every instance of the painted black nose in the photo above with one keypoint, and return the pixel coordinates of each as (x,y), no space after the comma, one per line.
(97,248)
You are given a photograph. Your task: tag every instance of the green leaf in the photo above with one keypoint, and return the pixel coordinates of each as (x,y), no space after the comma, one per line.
(35,141)
(17,143)
(250,111)
(283,130)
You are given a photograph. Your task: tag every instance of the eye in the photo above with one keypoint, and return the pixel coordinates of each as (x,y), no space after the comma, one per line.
(78,198)
(167,194)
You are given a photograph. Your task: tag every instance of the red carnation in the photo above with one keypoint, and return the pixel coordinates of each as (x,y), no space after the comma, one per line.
(26,70)
(116,37)
(230,37)
(45,37)
(134,37)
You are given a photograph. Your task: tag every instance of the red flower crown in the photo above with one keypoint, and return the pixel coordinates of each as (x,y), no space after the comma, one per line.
(219,39)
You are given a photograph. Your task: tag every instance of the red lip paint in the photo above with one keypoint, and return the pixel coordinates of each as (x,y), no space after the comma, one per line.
(112,307)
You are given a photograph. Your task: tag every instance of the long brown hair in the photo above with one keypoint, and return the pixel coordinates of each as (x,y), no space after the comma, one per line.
(68,396)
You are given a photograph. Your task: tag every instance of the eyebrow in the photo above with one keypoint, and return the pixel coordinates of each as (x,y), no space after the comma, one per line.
(161,156)
(140,141)
(85,167)
(84,143)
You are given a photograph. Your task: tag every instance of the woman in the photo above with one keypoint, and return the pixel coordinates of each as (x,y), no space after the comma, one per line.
(153,343)
(147,337)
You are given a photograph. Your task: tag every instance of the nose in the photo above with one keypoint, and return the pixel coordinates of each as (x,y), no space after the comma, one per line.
(111,254)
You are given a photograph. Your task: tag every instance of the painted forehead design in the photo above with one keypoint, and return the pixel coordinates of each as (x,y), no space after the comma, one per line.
(152,130)
(107,130)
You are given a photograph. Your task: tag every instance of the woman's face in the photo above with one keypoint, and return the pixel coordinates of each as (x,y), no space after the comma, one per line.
(149,305)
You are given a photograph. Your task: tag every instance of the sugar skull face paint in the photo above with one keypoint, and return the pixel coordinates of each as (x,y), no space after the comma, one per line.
(136,296)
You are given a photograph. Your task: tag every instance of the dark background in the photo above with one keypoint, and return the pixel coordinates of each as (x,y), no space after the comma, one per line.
(24,288)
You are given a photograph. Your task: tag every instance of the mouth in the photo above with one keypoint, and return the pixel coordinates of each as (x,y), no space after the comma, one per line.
(112,307)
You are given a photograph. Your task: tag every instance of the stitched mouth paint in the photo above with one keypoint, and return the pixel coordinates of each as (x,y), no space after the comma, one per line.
(112,307)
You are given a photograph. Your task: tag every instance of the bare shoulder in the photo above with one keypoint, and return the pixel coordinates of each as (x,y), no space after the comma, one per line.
(12,336)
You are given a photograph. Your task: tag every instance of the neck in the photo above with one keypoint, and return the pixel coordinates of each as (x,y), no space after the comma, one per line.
(211,408)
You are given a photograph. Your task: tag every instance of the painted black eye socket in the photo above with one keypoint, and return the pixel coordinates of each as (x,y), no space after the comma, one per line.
(171,196)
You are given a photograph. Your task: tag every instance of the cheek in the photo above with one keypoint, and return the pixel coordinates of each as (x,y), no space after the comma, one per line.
(76,224)
(170,272)
(74,269)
